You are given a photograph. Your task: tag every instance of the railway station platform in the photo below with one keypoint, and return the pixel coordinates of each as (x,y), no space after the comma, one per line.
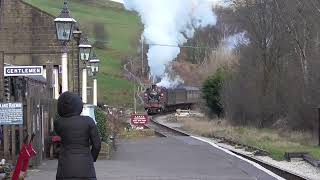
(171,158)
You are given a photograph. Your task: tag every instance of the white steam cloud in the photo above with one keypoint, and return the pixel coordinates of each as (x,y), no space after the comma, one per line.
(167,25)
(167,82)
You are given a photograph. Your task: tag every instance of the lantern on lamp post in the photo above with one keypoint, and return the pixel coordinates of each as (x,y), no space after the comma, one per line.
(64,27)
(90,74)
(94,63)
(85,51)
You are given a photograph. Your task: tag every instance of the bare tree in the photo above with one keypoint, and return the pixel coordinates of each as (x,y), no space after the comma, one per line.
(277,75)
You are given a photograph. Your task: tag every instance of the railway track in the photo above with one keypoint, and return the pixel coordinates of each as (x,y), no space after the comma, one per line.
(165,131)
(162,130)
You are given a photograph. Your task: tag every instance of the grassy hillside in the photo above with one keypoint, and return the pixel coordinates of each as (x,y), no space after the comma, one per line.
(122,28)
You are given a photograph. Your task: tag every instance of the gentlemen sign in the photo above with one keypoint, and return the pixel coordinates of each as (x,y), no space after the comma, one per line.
(11,113)
(23,70)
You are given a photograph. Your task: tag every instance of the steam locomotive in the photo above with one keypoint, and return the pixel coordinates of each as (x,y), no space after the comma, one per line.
(159,99)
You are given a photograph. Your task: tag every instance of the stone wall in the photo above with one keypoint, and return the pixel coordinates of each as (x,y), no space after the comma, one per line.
(105,152)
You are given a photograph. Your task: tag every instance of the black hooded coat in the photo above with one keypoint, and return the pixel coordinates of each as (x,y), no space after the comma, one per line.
(77,134)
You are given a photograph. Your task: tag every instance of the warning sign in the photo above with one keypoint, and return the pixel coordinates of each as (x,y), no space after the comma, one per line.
(139,119)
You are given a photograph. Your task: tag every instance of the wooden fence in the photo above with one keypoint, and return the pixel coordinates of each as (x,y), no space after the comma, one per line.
(38,117)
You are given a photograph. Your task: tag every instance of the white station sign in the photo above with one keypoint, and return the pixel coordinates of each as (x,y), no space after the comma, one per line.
(23,71)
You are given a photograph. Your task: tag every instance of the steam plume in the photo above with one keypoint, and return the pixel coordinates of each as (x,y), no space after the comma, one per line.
(168,24)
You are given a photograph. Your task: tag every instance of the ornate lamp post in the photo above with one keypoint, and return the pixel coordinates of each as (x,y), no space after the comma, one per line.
(85,50)
(94,61)
(64,26)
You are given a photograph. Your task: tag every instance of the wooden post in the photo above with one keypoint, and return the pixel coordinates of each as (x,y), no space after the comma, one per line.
(29,116)
(49,69)
(13,143)
(20,136)
(6,142)
(29,122)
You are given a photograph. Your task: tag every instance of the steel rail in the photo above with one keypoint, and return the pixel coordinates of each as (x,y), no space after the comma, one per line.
(162,130)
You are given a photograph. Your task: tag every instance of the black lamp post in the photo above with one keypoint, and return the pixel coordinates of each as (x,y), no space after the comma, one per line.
(94,62)
(64,27)
(85,51)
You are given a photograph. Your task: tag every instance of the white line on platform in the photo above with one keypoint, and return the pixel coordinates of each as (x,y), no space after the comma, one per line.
(233,154)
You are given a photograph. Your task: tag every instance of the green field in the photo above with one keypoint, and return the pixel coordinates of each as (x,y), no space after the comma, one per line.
(123,30)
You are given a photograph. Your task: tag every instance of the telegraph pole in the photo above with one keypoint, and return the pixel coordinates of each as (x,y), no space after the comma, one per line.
(134,97)
(134,86)
(142,55)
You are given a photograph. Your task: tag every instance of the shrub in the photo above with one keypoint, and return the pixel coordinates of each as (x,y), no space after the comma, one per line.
(211,92)
(101,119)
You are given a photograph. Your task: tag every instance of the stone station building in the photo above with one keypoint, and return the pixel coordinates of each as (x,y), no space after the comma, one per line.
(28,38)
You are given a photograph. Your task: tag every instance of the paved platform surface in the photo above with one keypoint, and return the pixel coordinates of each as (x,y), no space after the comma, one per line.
(173,158)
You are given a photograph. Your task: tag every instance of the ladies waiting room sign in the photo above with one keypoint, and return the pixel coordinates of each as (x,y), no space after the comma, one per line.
(11,113)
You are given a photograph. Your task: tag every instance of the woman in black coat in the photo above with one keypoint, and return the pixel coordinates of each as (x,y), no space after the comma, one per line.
(77,134)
